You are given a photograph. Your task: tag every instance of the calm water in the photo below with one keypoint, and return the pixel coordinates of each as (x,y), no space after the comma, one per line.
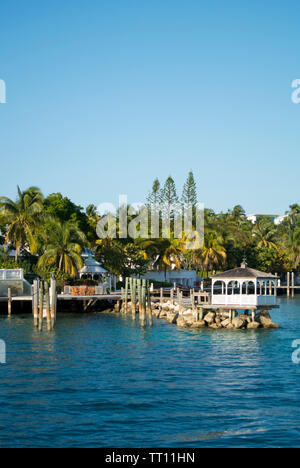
(102,381)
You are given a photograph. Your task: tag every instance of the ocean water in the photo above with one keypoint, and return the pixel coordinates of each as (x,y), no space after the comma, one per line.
(103,381)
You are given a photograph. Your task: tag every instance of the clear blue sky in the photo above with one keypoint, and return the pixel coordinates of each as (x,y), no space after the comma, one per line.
(105,95)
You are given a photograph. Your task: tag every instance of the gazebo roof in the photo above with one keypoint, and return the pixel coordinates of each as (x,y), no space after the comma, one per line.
(92,266)
(243,272)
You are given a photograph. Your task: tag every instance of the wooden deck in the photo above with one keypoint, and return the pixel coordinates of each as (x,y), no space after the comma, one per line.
(64,297)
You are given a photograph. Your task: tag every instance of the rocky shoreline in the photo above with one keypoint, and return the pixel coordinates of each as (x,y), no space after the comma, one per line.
(185,317)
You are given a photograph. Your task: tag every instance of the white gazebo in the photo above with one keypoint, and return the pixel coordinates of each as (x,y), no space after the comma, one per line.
(244,288)
(93,270)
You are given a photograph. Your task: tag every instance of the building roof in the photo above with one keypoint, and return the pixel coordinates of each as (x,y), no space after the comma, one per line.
(87,253)
(92,266)
(243,272)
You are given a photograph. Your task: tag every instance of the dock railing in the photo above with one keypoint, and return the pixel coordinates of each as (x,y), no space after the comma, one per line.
(17,274)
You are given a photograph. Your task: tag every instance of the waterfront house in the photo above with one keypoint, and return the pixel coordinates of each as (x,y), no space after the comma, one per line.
(276,219)
(186,278)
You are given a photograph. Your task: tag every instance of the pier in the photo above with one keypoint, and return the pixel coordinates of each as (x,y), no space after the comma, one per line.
(237,290)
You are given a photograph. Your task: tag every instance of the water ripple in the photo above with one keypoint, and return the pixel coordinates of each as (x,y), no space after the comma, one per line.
(100,381)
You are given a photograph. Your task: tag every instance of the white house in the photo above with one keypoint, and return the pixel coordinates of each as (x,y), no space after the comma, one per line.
(276,219)
(181,277)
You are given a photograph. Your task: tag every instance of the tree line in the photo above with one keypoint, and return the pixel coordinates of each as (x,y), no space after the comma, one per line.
(48,234)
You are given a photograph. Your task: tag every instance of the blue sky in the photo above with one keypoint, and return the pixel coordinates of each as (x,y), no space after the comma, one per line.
(105,95)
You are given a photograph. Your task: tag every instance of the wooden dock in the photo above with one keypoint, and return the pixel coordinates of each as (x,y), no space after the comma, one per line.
(57,300)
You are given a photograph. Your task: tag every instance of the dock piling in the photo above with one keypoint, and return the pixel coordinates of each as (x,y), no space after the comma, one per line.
(133,298)
(9,302)
(47,301)
(293,284)
(53,301)
(143,305)
(149,308)
(127,280)
(35,302)
(41,306)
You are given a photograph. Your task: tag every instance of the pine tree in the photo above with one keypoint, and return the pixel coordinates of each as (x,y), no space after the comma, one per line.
(169,194)
(189,194)
(155,195)
(171,206)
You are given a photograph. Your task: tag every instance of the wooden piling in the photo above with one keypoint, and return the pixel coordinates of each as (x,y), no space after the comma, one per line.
(126,293)
(139,288)
(53,301)
(181,298)
(192,294)
(143,309)
(293,284)
(41,306)
(9,295)
(133,298)
(47,304)
(35,302)
(149,308)
(288,284)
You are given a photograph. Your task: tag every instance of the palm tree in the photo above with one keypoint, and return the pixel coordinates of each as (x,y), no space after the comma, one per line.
(213,254)
(164,252)
(291,243)
(22,218)
(293,213)
(64,244)
(264,232)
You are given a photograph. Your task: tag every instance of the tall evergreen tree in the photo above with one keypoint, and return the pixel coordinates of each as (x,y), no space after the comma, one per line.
(168,194)
(189,194)
(155,195)
(170,203)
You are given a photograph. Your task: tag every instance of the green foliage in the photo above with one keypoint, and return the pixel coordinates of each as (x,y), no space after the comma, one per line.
(64,209)
(160,284)
(57,230)
(7,263)
(169,193)
(22,218)
(121,258)
(63,246)
(189,194)
(46,272)
(154,196)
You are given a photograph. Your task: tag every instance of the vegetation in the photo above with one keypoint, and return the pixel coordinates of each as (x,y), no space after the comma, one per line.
(22,218)
(63,243)
(49,234)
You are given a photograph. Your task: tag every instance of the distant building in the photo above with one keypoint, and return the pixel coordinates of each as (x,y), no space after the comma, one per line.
(280,219)
(276,219)
(185,278)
